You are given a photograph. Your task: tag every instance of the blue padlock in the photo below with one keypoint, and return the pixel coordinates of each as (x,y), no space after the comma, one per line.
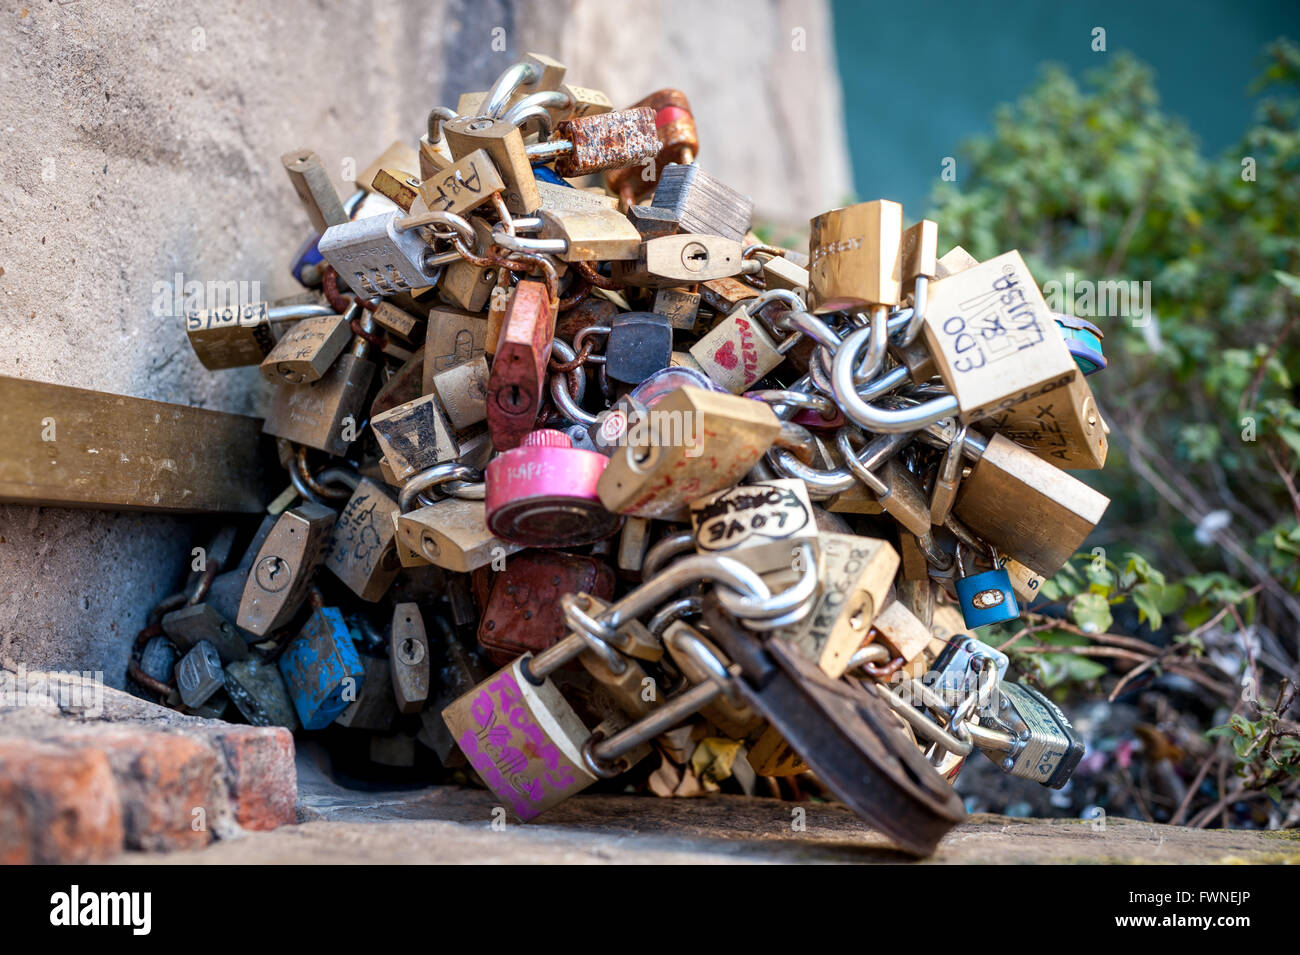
(307,266)
(985,598)
(322,669)
(547,174)
(1083,338)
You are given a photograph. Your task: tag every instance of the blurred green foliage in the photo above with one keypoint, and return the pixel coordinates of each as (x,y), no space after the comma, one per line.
(1095,180)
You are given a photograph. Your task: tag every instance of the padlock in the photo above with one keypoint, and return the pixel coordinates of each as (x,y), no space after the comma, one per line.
(704,205)
(1062,426)
(1044,746)
(906,637)
(312,183)
(600,141)
(946,479)
(994,341)
(322,669)
(582,101)
(560,197)
(855,257)
(465,284)
(454,337)
(673,260)
(192,624)
(771,755)
(326,414)
(402,188)
(307,350)
(781,273)
(199,675)
(963,668)
(1083,338)
(736,720)
(695,442)
(282,570)
(724,294)
(854,574)
(590,234)
(524,740)
(378,255)
(626,682)
(453,534)
(544,493)
(258,691)
(761,524)
(399,154)
(158,659)
(1024,582)
(415,436)
(985,598)
(919,263)
(396,321)
(895,489)
(738,351)
(519,366)
(362,550)
(611,427)
(374,707)
(409,660)
(953,261)
(633,542)
(680,307)
(1031,511)
(675,129)
(463,393)
(463,186)
(504,145)
(638,345)
(653,223)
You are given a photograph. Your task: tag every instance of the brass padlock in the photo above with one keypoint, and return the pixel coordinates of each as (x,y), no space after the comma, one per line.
(583,101)
(466,184)
(409,658)
(704,205)
(909,638)
(855,576)
(465,284)
(415,436)
(463,392)
(738,351)
(761,524)
(307,350)
(282,570)
(504,144)
(400,154)
(362,550)
(398,321)
(453,338)
(1062,426)
(994,341)
(240,335)
(681,307)
(693,442)
(672,260)
(595,234)
(312,183)
(855,257)
(736,721)
(401,187)
(1033,512)
(453,534)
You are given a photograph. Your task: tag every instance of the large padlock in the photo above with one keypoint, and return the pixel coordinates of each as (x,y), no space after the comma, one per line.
(322,669)
(519,366)
(761,524)
(1043,746)
(855,574)
(325,414)
(855,257)
(523,613)
(986,598)
(415,436)
(703,204)
(961,668)
(504,144)
(594,233)
(1062,426)
(600,141)
(362,550)
(544,493)
(378,255)
(240,335)
(282,570)
(694,442)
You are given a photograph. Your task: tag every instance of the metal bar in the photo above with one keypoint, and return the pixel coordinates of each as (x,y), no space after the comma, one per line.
(71,447)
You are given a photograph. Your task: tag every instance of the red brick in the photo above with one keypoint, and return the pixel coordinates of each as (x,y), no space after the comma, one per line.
(56,805)
(260,774)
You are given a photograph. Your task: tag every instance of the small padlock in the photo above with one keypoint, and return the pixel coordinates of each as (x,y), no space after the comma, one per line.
(544,493)
(453,534)
(464,185)
(1044,746)
(673,260)
(680,307)
(199,675)
(704,205)
(985,598)
(322,669)
(409,660)
(362,550)
(591,234)
(453,338)
(519,366)
(203,622)
(638,345)
(158,659)
(1062,426)
(738,351)
(401,187)
(374,707)
(465,284)
(415,436)
(282,570)
(237,335)
(695,442)
(1083,338)
(259,693)
(961,668)
(312,183)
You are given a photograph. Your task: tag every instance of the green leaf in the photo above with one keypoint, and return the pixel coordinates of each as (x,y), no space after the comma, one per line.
(1091,612)
(1148,605)
(1288,281)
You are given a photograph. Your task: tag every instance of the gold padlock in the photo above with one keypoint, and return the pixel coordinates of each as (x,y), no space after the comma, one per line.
(453,534)
(401,187)
(466,184)
(454,337)
(855,257)
(598,234)
(415,436)
(735,721)
(409,658)
(504,144)
(325,414)
(682,259)
(681,307)
(307,350)
(464,284)
(463,392)
(1062,426)
(281,572)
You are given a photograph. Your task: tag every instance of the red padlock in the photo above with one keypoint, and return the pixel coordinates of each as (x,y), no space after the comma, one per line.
(517,380)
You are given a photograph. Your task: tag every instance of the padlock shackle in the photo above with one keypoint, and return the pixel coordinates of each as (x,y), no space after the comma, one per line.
(871,417)
(498,95)
(822,483)
(287,313)
(922,724)
(778,610)
(519,114)
(433,125)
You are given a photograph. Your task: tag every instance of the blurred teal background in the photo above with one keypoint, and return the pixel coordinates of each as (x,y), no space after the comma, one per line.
(919,78)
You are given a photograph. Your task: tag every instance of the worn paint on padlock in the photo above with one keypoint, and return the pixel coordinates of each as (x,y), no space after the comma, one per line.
(738,352)
(524,741)
(408,654)
(504,145)
(855,257)
(761,524)
(1062,426)
(993,338)
(696,442)
(259,693)
(362,549)
(415,436)
(199,675)
(519,377)
(452,534)
(317,414)
(855,576)
(639,344)
(322,669)
(282,571)
(307,350)
(523,613)
(230,337)
(601,141)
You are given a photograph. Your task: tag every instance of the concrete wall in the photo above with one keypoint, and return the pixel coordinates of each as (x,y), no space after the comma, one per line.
(142,141)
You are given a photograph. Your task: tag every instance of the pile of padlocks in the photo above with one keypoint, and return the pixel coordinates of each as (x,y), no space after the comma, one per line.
(715,509)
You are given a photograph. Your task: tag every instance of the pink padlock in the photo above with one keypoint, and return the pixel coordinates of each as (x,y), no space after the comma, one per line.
(543,494)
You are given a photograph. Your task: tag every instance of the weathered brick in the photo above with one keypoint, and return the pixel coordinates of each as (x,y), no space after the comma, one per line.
(260,774)
(57,805)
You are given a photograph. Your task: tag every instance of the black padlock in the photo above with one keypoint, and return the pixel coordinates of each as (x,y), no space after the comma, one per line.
(639,344)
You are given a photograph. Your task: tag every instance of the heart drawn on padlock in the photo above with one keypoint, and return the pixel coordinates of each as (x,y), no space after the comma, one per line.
(726,355)
(743,513)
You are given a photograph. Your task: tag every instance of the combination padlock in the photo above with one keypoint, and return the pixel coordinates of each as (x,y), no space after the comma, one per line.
(985,598)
